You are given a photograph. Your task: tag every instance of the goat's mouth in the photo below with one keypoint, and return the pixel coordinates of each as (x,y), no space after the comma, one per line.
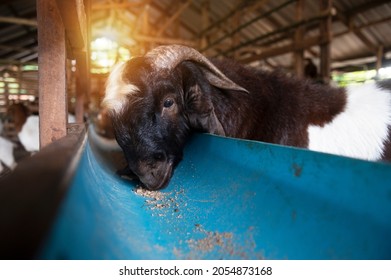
(159,177)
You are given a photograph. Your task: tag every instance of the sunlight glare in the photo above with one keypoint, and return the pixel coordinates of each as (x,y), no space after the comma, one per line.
(105,53)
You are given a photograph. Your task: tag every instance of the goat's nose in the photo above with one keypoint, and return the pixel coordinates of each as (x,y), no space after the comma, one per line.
(159,177)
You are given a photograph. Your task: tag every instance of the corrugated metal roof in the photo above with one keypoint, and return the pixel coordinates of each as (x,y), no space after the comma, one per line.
(18,42)
(360,27)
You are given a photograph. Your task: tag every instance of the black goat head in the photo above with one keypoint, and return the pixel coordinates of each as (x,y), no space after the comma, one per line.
(156,101)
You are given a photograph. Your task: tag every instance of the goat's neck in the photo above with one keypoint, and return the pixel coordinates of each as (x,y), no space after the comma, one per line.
(280,111)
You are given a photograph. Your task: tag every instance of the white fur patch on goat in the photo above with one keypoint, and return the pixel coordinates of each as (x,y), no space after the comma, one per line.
(117,90)
(29,135)
(361,130)
(7,153)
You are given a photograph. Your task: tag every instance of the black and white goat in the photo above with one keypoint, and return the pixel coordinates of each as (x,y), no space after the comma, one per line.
(156,101)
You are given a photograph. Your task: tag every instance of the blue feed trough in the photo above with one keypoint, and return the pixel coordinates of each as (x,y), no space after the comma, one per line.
(228,199)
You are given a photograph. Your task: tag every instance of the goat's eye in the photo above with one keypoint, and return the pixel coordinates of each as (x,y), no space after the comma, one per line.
(168,103)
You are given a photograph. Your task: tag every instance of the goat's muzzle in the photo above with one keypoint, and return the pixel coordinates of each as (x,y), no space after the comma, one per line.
(156,177)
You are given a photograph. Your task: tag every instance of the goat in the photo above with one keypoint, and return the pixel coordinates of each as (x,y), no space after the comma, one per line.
(18,114)
(158,100)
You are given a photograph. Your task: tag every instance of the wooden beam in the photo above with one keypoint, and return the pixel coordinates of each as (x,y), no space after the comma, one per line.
(379,58)
(113,5)
(216,23)
(306,21)
(298,54)
(164,40)
(348,22)
(275,51)
(244,7)
(325,45)
(344,17)
(244,25)
(369,24)
(244,4)
(20,21)
(366,7)
(17,48)
(256,5)
(74,19)
(14,62)
(363,58)
(156,26)
(30,57)
(51,63)
(173,17)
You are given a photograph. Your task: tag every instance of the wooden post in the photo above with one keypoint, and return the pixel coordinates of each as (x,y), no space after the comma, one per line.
(51,65)
(82,59)
(82,83)
(299,35)
(6,95)
(81,90)
(379,59)
(325,46)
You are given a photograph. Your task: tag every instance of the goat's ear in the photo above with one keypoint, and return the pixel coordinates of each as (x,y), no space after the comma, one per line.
(200,111)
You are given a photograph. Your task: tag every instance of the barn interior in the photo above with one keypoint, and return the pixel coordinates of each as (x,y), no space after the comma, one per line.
(55,57)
